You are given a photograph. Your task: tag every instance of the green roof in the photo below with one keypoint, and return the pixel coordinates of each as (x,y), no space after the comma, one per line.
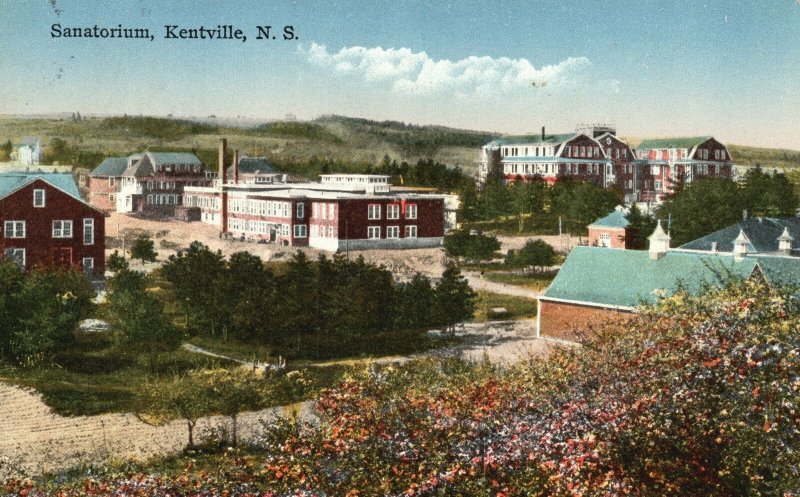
(614,220)
(254,165)
(627,278)
(111,166)
(533,139)
(11,182)
(174,158)
(763,234)
(681,142)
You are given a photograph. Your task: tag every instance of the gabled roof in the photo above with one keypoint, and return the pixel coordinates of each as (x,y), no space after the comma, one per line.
(254,165)
(614,220)
(627,278)
(111,166)
(680,142)
(174,158)
(11,182)
(139,166)
(533,139)
(29,141)
(763,234)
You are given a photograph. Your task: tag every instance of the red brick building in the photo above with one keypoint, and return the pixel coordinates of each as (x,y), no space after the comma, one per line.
(610,231)
(45,221)
(105,182)
(598,285)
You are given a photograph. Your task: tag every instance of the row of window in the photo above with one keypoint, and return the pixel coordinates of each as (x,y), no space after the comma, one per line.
(61,229)
(164,199)
(392,211)
(270,208)
(202,201)
(323,210)
(261,227)
(322,231)
(535,151)
(582,151)
(374,232)
(18,255)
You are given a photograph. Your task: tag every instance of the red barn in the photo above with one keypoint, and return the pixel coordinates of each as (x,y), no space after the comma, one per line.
(45,221)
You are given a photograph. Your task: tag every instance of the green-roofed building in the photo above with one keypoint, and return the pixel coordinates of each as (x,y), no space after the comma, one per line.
(610,231)
(150,183)
(583,155)
(105,181)
(687,159)
(596,284)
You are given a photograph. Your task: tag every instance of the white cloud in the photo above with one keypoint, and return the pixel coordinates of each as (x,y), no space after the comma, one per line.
(416,73)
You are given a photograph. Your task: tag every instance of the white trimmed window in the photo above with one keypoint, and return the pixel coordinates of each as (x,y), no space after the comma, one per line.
(330,231)
(411,231)
(393,232)
(301,210)
(38,198)
(88,264)
(300,230)
(373,232)
(112,197)
(111,182)
(62,229)
(17,255)
(374,211)
(605,240)
(315,230)
(411,211)
(393,211)
(15,229)
(88,231)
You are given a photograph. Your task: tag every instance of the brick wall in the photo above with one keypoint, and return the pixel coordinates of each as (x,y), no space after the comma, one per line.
(617,236)
(572,321)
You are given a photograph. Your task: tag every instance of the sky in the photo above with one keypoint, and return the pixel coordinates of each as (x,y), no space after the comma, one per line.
(724,68)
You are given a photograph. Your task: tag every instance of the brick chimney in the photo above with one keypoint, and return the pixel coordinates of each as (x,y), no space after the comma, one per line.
(223,195)
(235,166)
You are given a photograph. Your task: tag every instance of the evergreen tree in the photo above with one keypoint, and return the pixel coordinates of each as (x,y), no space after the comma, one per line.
(144,249)
(455,300)
(139,317)
(703,207)
(640,226)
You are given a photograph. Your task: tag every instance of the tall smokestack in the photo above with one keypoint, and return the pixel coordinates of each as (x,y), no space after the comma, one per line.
(235,166)
(223,195)
(542,133)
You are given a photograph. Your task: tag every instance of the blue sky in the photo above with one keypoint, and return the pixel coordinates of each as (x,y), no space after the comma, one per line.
(725,68)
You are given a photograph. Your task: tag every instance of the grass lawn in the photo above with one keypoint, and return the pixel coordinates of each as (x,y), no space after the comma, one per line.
(517,307)
(534,281)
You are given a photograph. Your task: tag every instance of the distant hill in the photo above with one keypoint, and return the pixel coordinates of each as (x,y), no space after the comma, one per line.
(343,143)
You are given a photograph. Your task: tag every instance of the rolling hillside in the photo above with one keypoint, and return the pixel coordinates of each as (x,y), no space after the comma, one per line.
(341,143)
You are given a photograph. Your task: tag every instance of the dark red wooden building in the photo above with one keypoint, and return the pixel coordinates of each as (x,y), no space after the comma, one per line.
(45,221)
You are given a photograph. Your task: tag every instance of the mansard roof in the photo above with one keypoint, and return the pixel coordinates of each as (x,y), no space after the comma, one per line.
(679,142)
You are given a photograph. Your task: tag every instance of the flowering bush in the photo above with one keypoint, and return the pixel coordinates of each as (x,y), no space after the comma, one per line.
(697,396)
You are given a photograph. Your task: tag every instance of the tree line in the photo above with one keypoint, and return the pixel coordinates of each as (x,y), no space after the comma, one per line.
(578,203)
(710,204)
(304,306)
